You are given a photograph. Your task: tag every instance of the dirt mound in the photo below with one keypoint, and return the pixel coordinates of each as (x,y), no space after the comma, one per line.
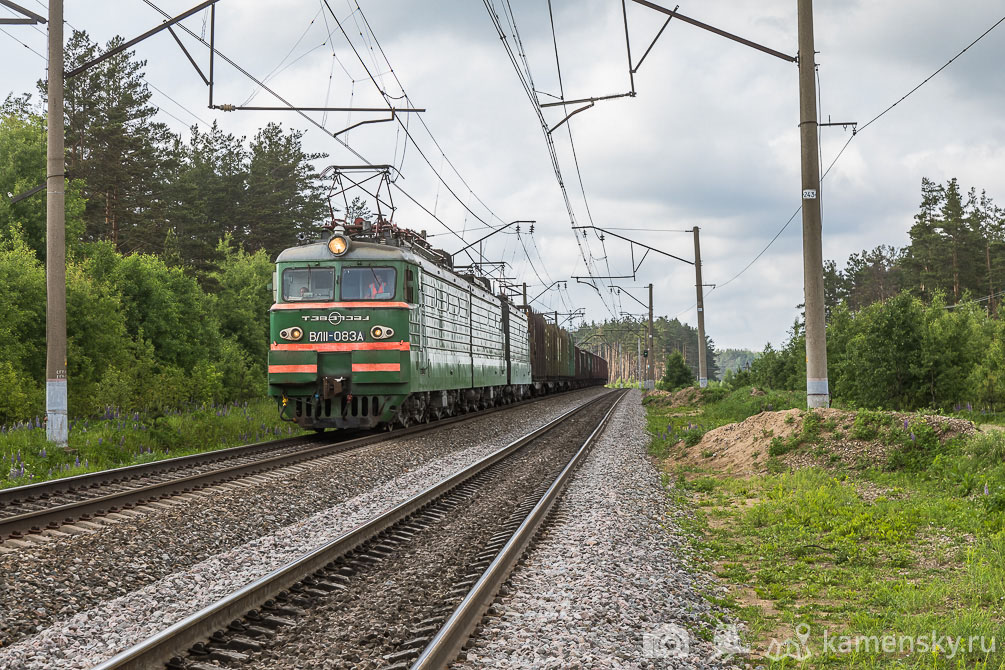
(685,397)
(833,437)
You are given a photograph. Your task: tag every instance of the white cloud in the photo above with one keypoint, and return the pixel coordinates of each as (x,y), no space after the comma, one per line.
(710,140)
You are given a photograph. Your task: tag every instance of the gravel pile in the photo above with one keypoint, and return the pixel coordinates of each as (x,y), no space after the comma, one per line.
(90,596)
(611,581)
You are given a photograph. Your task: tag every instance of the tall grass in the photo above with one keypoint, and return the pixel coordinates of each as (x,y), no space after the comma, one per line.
(116,439)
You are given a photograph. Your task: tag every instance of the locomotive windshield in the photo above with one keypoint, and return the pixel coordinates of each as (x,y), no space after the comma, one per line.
(308,284)
(366,283)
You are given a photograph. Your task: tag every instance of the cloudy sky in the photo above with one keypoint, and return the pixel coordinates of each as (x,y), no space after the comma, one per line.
(710,139)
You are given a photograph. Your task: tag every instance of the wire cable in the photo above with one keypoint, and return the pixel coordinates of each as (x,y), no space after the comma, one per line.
(847,143)
(931,76)
(306,117)
(527,83)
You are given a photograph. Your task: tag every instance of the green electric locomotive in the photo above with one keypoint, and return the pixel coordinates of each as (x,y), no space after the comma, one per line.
(374,331)
(372,328)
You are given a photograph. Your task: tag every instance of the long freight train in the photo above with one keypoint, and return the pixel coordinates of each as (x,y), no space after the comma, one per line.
(372,328)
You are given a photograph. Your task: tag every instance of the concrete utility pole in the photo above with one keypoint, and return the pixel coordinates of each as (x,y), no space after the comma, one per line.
(817,391)
(702,366)
(55,241)
(650,363)
(638,358)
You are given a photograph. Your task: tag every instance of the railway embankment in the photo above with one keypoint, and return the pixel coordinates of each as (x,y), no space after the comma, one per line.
(843,538)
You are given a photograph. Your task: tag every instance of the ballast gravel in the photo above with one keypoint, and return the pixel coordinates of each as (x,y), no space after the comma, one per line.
(77,600)
(611,582)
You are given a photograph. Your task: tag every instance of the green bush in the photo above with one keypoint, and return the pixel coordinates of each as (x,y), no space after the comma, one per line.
(677,374)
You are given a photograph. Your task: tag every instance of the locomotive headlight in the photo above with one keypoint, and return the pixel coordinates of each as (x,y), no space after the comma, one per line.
(291,333)
(338,244)
(381,332)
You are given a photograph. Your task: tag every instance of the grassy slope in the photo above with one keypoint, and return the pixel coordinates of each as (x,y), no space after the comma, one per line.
(116,440)
(902,548)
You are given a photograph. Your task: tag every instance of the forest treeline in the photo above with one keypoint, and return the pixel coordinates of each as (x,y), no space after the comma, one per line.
(620,340)
(169,246)
(956,248)
(916,327)
(144,189)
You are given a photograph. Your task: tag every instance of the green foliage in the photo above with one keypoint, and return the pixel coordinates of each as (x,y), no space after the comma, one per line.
(735,379)
(22,168)
(867,424)
(740,404)
(693,435)
(242,297)
(734,360)
(902,331)
(141,335)
(900,354)
(116,438)
(620,383)
(677,374)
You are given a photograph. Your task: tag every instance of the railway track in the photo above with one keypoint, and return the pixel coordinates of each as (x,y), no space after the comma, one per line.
(405,589)
(29,512)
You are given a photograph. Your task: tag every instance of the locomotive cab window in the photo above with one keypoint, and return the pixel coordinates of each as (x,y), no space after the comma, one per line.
(308,284)
(367,283)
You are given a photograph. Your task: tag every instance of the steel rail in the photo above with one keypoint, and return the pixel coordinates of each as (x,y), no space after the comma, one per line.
(449,640)
(64,485)
(176,639)
(36,521)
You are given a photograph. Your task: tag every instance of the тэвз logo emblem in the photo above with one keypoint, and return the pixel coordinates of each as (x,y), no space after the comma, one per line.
(335,318)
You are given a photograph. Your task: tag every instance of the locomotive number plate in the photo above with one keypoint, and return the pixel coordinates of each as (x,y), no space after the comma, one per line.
(336,336)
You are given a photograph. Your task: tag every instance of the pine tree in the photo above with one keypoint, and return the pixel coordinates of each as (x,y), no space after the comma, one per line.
(923,263)
(114,144)
(284,196)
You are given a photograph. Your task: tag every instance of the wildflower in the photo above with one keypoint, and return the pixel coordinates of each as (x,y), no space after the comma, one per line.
(43,454)
(986,492)
(906,426)
(76,461)
(913,438)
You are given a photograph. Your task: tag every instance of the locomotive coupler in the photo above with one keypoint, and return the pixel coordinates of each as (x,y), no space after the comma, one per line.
(331,386)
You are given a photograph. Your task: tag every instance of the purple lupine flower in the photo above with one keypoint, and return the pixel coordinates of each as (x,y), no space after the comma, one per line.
(906,426)
(986,492)
(912,436)
(76,461)
(43,454)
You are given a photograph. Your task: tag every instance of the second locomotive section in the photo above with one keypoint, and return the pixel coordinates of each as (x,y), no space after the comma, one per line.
(367,334)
